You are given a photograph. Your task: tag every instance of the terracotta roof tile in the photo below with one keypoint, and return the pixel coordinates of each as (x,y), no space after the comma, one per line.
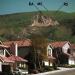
(6,60)
(58,43)
(20,43)
(3,46)
(16,58)
(73,46)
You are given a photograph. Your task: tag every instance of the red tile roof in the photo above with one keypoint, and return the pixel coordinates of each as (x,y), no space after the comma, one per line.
(3,46)
(73,46)
(58,44)
(6,60)
(17,58)
(21,43)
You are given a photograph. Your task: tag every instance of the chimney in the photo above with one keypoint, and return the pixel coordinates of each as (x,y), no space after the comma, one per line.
(16,49)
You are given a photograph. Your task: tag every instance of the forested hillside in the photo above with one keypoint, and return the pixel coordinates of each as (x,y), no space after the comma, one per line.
(18,26)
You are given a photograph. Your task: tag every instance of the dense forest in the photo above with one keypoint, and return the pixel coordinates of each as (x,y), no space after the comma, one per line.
(18,26)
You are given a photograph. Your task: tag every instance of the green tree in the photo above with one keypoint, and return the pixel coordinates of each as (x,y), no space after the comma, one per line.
(62,33)
(39,44)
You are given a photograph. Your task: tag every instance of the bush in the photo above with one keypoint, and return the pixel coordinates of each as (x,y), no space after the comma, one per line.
(48,68)
(69,66)
(35,71)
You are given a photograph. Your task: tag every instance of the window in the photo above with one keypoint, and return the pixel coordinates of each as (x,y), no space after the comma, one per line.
(49,52)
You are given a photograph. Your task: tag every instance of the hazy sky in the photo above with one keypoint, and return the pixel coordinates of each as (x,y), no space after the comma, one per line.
(16,6)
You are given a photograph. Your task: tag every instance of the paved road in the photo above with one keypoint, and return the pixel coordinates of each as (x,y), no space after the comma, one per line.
(62,71)
(69,72)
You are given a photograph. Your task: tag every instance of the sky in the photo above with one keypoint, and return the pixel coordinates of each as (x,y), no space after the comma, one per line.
(17,6)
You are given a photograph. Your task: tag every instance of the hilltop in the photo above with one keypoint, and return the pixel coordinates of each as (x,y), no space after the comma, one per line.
(14,26)
(25,19)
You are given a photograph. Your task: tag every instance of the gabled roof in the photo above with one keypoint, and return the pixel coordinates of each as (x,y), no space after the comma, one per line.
(21,43)
(17,58)
(58,44)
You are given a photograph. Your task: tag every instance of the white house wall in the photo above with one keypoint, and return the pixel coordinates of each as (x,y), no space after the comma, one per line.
(47,63)
(71,61)
(66,47)
(49,50)
(0,66)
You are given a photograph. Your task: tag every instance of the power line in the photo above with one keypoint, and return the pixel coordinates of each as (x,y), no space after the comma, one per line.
(32,4)
(41,4)
(64,4)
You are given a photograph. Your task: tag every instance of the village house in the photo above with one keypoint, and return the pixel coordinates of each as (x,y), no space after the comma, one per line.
(23,47)
(62,52)
(9,51)
(5,63)
(72,58)
(59,53)
(19,63)
(19,48)
(49,59)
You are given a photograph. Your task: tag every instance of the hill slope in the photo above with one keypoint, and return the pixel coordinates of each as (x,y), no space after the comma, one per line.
(17,25)
(24,19)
